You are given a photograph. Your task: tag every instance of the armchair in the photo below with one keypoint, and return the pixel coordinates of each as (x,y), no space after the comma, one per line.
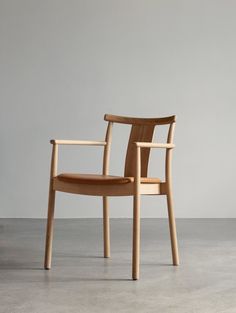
(135,181)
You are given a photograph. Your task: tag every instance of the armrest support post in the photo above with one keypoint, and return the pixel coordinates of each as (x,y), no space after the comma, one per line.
(137,177)
(107,149)
(54,161)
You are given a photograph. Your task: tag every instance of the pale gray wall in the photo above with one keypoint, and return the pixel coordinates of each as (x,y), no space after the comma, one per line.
(63,64)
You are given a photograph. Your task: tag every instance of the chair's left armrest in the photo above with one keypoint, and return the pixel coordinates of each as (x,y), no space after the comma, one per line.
(154,145)
(78,142)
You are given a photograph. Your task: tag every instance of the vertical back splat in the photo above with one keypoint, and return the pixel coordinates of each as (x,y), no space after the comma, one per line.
(138,133)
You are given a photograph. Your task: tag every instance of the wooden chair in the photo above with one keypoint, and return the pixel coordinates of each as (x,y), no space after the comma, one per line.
(134,182)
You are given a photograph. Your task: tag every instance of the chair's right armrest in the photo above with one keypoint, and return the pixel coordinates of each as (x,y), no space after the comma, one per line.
(154,145)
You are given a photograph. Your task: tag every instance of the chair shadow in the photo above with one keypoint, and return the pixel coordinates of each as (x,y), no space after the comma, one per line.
(12,265)
(47,278)
(68,256)
(87,279)
(19,267)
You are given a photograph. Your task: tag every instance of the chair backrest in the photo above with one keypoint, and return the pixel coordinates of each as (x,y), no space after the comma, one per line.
(142,129)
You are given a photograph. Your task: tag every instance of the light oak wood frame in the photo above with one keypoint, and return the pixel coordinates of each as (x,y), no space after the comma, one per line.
(138,151)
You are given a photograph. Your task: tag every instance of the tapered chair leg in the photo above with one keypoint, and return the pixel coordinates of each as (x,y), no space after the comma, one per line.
(172,226)
(136,238)
(49,233)
(106,228)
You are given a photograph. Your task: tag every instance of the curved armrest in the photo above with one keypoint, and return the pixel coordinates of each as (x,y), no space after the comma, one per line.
(56,142)
(139,145)
(154,145)
(78,142)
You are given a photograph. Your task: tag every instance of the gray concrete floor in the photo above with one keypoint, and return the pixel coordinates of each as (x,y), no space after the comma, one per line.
(81,280)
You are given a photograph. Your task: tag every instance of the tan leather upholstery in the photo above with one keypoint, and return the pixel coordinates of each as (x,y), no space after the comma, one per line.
(93,179)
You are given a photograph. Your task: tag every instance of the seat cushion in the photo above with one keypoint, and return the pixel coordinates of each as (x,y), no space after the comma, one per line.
(93,179)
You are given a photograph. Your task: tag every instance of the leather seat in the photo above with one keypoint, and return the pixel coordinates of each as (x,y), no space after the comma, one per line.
(93,179)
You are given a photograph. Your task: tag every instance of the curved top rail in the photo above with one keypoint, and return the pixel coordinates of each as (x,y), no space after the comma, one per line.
(140,121)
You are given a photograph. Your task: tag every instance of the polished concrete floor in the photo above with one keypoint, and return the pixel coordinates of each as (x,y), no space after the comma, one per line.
(81,280)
